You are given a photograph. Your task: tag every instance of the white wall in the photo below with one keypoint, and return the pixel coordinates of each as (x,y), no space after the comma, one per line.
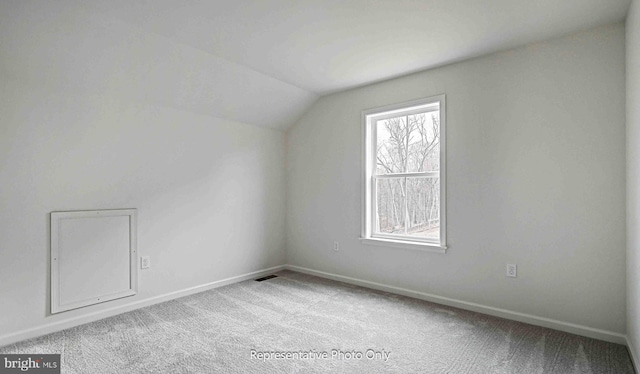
(536,176)
(633,177)
(209,191)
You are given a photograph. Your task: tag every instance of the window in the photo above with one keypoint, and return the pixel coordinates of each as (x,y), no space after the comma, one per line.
(404,175)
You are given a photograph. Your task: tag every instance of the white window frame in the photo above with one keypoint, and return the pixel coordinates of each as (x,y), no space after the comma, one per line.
(369,138)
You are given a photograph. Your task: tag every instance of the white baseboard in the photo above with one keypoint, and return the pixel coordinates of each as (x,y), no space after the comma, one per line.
(632,353)
(49,328)
(516,316)
(572,328)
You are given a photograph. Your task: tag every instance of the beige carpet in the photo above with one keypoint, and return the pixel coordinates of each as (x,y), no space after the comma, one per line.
(297,323)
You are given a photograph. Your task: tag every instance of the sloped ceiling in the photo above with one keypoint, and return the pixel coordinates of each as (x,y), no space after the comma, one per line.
(264,62)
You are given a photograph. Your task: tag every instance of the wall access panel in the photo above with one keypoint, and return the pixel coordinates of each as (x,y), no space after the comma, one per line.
(93,257)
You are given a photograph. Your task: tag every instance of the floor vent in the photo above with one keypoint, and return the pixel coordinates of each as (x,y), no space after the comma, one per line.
(265,278)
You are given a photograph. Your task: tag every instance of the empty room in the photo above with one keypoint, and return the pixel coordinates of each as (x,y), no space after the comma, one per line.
(319,186)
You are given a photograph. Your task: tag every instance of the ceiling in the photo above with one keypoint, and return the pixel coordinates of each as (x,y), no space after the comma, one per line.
(329,45)
(278,55)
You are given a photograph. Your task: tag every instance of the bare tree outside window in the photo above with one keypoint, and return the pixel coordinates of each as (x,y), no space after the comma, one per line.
(407,148)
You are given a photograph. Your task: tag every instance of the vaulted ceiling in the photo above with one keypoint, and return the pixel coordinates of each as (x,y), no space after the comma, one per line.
(264,62)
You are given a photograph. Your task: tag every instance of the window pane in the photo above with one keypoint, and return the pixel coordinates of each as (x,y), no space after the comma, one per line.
(390,206)
(408,143)
(424,142)
(391,152)
(423,207)
(403,166)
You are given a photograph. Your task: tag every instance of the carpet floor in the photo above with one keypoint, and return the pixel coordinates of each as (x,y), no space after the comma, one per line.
(297,323)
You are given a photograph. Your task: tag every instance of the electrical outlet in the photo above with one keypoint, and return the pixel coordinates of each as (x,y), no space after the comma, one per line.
(336,246)
(512,270)
(145,262)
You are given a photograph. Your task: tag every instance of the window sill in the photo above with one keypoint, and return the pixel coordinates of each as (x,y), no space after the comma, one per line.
(426,247)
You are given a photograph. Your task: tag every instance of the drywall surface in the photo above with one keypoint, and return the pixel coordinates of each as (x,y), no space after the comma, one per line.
(536,177)
(209,191)
(69,45)
(633,176)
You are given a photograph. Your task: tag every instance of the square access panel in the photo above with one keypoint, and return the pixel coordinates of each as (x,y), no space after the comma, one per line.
(93,257)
